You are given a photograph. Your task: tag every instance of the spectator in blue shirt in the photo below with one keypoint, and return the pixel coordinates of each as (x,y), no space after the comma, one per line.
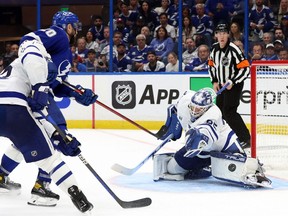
(270,52)
(162,44)
(220,10)
(122,61)
(138,53)
(203,23)
(77,64)
(200,63)
(261,20)
(97,29)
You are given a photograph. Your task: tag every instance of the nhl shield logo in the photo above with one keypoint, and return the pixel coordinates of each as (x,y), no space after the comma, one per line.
(123,94)
(225,61)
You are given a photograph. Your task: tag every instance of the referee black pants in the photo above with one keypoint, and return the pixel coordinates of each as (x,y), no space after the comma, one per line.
(228,102)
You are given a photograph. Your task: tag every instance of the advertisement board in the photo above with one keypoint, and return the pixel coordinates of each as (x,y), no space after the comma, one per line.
(143,98)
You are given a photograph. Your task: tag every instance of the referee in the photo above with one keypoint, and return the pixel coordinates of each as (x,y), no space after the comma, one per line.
(227,63)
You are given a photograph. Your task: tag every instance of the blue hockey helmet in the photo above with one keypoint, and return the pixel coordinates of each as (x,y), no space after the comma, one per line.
(63,18)
(201,101)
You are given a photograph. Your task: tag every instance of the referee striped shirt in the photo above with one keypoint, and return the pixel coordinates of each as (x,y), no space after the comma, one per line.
(228,63)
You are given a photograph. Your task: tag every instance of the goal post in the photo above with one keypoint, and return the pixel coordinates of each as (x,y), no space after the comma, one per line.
(269,112)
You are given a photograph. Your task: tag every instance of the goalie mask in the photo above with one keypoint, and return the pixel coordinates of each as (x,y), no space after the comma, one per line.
(201,101)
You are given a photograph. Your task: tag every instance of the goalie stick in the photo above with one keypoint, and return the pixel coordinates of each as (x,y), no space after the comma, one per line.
(159,134)
(127,171)
(124,204)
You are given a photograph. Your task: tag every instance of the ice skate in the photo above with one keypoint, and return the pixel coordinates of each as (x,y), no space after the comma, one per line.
(258,180)
(79,199)
(41,195)
(8,186)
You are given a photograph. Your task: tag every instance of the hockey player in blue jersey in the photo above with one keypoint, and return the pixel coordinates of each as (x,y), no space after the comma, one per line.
(24,88)
(56,41)
(209,141)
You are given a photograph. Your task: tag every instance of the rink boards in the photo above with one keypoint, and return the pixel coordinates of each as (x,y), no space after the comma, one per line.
(141,97)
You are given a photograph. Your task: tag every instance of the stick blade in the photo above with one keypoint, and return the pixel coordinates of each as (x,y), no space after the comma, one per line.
(136,203)
(123,170)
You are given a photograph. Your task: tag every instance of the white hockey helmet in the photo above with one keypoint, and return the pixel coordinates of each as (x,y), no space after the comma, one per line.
(201,101)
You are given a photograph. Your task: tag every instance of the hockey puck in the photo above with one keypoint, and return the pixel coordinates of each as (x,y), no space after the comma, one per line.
(232,167)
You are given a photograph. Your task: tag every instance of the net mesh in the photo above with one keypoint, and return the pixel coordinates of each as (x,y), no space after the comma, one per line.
(272,114)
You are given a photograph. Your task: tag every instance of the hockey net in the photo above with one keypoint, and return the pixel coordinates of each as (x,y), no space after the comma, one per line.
(269,113)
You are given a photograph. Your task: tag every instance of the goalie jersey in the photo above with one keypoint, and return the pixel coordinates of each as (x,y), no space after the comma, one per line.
(220,136)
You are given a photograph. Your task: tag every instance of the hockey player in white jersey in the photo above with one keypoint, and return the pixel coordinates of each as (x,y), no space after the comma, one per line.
(56,41)
(209,142)
(24,86)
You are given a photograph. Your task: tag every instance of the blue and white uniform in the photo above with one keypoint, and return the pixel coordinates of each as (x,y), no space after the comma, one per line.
(56,43)
(18,81)
(220,136)
(17,122)
(209,141)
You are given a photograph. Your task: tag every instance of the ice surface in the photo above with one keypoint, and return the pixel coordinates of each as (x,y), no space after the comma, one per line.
(103,148)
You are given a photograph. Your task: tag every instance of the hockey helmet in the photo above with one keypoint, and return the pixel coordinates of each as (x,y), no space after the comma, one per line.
(200,102)
(63,18)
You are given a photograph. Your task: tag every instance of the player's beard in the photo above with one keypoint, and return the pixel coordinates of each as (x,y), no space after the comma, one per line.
(72,39)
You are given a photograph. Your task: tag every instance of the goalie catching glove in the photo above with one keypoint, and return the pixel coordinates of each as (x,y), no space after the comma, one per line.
(172,125)
(70,148)
(196,142)
(84,96)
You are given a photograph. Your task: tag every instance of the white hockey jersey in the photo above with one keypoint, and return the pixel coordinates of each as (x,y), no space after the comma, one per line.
(221,136)
(29,69)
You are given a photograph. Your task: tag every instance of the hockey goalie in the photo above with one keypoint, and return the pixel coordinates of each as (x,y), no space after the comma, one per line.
(211,146)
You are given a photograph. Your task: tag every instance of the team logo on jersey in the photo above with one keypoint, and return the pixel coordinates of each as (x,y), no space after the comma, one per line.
(225,61)
(123,95)
(64,68)
(34,153)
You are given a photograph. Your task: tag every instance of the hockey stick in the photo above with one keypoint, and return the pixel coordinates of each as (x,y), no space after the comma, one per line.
(126,171)
(159,134)
(224,87)
(124,204)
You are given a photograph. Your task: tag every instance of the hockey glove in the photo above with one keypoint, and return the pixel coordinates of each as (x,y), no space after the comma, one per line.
(70,148)
(172,125)
(39,98)
(84,96)
(195,143)
(52,71)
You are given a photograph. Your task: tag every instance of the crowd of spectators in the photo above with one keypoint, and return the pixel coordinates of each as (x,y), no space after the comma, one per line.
(146,32)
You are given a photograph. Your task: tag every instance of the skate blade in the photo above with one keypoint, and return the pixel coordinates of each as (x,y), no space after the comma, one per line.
(89,212)
(262,184)
(42,201)
(5,191)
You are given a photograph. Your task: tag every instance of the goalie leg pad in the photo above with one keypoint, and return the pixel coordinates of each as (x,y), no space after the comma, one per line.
(160,168)
(238,169)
